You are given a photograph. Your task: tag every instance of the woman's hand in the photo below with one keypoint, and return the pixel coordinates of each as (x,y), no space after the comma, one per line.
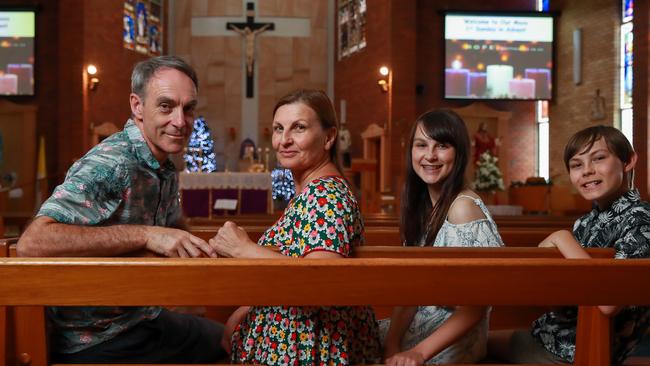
(406,358)
(233,241)
(233,321)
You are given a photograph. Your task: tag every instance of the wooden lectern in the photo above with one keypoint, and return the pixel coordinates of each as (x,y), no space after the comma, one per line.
(371,169)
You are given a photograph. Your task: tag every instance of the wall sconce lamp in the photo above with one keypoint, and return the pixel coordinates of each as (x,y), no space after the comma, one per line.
(384,80)
(93,81)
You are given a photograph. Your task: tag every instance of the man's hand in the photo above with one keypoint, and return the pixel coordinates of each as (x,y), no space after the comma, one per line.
(233,241)
(176,243)
(406,358)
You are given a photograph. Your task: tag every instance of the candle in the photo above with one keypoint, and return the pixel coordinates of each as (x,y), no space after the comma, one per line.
(477,84)
(456,82)
(542,79)
(497,80)
(343,111)
(8,84)
(522,88)
(25,77)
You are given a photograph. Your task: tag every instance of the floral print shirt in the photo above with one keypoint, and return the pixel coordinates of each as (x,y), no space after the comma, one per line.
(325,216)
(624,226)
(117,182)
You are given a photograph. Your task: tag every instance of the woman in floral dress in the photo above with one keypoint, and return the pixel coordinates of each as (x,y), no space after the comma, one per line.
(322,221)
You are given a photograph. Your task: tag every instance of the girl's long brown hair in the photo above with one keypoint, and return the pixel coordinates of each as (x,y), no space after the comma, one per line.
(420,220)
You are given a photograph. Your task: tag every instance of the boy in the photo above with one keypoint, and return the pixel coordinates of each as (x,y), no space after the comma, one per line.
(600,161)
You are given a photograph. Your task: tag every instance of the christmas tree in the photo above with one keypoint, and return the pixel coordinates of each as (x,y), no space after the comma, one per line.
(283,187)
(488,175)
(199,156)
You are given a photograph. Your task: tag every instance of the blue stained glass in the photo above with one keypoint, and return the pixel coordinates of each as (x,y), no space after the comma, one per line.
(628,10)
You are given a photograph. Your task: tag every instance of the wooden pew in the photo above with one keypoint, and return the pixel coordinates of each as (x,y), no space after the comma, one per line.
(388,220)
(451,281)
(379,235)
(363,253)
(3,312)
(25,346)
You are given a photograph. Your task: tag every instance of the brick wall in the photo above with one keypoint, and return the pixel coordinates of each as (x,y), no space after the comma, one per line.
(103,47)
(570,111)
(355,76)
(408,36)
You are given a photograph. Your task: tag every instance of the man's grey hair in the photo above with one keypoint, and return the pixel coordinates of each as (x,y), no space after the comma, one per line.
(144,70)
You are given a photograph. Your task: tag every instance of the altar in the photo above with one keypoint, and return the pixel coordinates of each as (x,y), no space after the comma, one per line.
(225,193)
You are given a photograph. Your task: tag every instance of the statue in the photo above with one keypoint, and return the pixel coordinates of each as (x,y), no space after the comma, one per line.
(248,157)
(483,142)
(249,35)
(345,142)
(141,20)
(597,107)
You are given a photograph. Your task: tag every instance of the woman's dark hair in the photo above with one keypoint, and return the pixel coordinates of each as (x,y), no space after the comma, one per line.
(320,103)
(583,140)
(420,220)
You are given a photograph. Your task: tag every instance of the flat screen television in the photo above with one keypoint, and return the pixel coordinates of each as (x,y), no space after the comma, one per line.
(17,32)
(498,56)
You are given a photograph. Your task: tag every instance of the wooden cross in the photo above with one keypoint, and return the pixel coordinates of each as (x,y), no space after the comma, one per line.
(220,27)
(250,30)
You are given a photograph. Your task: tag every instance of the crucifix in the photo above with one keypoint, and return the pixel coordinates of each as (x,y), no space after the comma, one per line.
(250,30)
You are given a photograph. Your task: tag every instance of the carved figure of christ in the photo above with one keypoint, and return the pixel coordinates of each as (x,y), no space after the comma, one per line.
(277,27)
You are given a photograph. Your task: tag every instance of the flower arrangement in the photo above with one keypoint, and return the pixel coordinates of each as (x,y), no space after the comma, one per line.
(488,175)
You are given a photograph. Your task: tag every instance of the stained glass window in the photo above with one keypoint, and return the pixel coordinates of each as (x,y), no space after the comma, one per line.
(627,77)
(628,10)
(142,26)
(352,26)
(626,65)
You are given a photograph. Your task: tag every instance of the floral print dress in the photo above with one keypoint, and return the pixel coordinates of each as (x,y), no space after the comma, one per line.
(325,216)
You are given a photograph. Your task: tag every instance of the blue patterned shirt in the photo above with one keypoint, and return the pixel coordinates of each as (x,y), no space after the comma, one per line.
(624,226)
(119,181)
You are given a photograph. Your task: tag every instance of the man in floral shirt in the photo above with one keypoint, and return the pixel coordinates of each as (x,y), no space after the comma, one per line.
(122,196)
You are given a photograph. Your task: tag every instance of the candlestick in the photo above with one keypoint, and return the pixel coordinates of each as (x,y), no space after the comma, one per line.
(266,159)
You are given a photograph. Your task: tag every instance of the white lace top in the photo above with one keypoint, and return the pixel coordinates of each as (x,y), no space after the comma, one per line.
(472,346)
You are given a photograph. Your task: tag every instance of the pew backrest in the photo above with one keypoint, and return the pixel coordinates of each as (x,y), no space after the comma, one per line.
(389,235)
(446,276)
